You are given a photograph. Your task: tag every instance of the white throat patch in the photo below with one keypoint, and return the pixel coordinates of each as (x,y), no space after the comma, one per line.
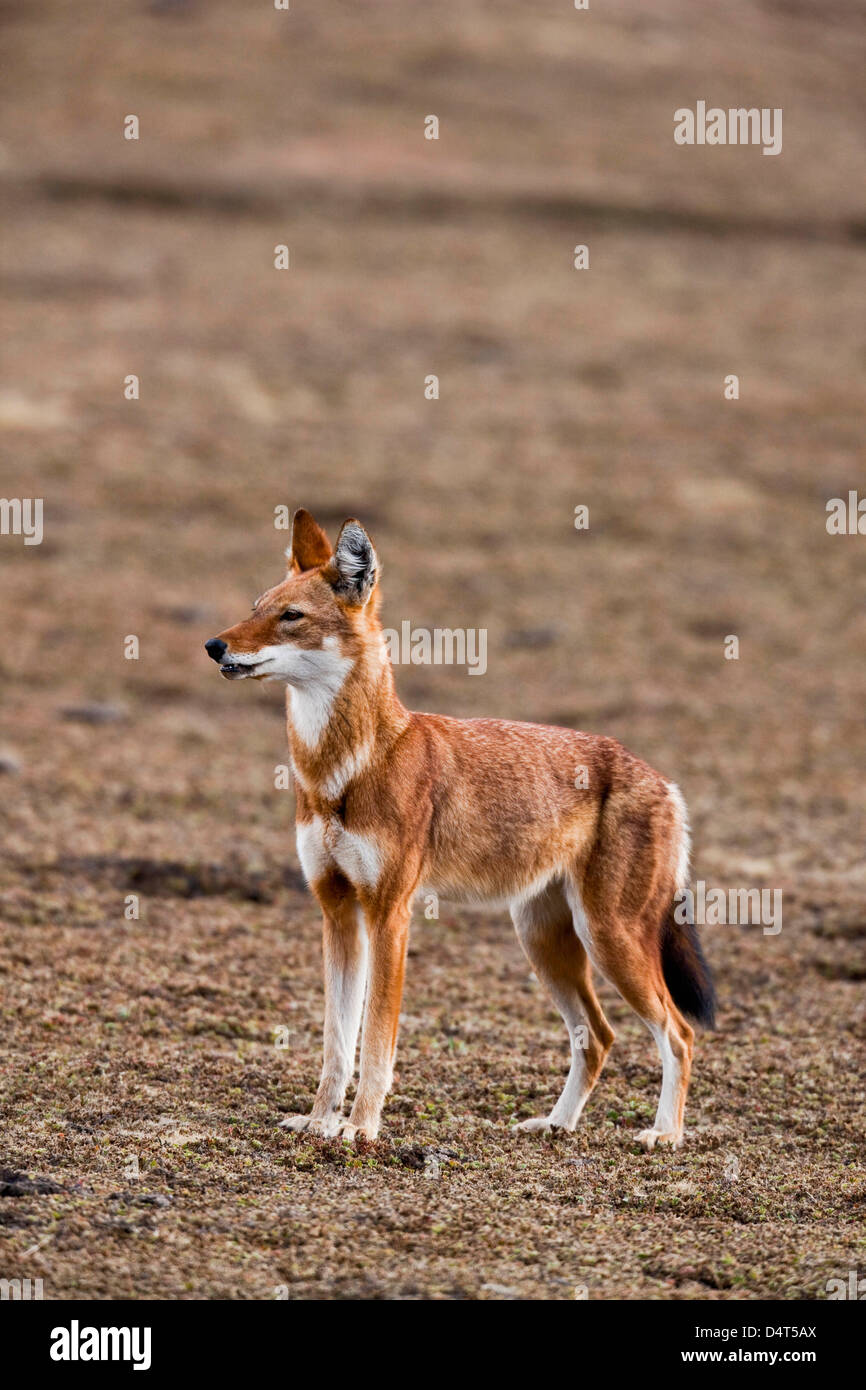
(315,684)
(315,678)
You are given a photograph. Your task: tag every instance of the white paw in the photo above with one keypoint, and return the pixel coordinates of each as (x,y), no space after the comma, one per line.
(327,1126)
(296,1123)
(349,1132)
(667,1138)
(540,1124)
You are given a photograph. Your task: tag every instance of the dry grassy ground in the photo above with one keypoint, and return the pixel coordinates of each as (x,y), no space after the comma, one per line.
(153,1040)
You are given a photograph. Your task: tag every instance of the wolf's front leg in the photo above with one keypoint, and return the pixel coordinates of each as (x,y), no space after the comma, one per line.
(344,950)
(389,937)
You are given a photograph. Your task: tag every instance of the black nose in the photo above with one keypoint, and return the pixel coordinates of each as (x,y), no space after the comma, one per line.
(215,648)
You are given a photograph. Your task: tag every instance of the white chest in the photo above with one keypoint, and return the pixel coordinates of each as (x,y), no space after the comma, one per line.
(326,844)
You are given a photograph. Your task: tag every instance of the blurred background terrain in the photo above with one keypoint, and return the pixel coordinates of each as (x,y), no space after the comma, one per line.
(140,1080)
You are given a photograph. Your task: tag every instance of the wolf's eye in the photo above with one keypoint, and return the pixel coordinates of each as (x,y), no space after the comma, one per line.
(291,615)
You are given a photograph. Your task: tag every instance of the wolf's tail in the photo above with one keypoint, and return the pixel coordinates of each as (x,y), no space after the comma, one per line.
(687,974)
(684,965)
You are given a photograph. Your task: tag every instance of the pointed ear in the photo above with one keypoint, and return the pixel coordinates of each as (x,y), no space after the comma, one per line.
(355,566)
(310,546)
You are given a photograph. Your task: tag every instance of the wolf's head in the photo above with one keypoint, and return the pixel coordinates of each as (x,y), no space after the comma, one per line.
(313,625)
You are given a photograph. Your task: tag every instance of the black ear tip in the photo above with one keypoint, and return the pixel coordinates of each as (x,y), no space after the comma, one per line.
(355,538)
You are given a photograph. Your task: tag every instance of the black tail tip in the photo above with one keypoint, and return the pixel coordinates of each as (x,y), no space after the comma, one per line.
(687,973)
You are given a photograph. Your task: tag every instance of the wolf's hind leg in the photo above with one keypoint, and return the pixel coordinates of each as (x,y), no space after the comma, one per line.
(546,932)
(630,959)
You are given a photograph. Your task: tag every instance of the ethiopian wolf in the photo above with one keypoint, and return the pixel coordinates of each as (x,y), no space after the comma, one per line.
(390,802)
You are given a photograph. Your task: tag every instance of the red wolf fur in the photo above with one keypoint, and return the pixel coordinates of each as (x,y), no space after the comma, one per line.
(585,843)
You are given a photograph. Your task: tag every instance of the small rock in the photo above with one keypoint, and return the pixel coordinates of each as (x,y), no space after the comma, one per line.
(14,1184)
(94,713)
(142,1199)
(427,1159)
(9,763)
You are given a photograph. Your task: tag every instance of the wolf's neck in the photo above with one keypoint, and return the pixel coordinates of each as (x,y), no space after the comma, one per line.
(342,721)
